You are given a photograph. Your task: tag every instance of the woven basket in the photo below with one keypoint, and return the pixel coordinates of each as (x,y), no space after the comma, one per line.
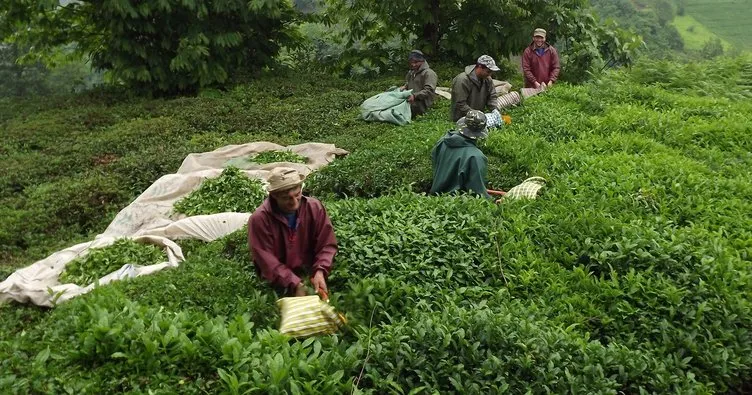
(508,100)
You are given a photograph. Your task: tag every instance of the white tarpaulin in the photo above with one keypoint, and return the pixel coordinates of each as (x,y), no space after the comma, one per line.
(150,219)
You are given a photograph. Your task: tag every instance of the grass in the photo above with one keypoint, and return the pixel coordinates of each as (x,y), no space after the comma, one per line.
(632,272)
(694,33)
(728,19)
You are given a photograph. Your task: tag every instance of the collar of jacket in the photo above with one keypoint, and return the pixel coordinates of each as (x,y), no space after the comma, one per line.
(546,46)
(470,71)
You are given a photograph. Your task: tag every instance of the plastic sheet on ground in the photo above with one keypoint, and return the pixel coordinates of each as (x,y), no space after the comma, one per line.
(150,219)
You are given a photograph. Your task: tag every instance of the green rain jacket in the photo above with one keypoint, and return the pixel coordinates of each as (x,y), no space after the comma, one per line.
(458,165)
(423,84)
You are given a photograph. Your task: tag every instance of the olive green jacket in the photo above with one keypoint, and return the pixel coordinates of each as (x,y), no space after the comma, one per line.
(423,83)
(468,93)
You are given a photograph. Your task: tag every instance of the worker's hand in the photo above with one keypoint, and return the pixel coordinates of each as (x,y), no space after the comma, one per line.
(318,282)
(300,290)
(550,84)
(411,99)
(537,85)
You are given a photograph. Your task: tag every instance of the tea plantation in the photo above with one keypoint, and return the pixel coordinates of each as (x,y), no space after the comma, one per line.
(632,273)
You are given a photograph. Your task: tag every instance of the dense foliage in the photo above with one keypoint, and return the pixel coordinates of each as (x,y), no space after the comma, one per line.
(102,261)
(649,18)
(231,191)
(462,31)
(38,79)
(631,273)
(157,45)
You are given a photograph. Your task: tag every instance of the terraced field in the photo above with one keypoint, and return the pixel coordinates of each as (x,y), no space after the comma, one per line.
(729,19)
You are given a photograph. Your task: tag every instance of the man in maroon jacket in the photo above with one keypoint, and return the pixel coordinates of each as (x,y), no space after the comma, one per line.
(540,62)
(291,234)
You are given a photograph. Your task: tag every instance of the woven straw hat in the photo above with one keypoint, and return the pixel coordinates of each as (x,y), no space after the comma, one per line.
(281,178)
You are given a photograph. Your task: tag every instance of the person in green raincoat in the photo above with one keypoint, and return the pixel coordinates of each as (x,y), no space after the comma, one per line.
(458,163)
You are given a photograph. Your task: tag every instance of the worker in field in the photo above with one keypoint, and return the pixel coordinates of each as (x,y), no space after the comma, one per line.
(458,163)
(290,235)
(540,62)
(473,89)
(422,80)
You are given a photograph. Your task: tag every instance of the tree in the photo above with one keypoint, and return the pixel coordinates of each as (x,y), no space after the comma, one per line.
(712,48)
(162,45)
(589,46)
(444,27)
(17,79)
(665,12)
(463,30)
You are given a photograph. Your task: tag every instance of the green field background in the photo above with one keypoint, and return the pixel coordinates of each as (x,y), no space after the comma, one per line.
(730,20)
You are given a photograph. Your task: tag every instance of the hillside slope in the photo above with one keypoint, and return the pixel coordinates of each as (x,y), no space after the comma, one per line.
(729,19)
(632,272)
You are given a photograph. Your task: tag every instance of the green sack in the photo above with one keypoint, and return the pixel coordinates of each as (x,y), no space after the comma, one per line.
(390,106)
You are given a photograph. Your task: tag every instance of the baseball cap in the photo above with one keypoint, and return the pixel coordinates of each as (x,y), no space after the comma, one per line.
(488,61)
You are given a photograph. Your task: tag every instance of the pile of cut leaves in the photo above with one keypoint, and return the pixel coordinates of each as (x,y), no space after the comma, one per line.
(277,156)
(102,261)
(232,191)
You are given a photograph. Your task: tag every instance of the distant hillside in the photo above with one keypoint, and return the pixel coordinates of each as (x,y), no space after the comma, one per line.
(695,34)
(668,25)
(649,18)
(728,19)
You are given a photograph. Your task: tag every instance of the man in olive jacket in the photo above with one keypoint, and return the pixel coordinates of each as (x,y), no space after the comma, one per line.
(458,163)
(422,80)
(473,89)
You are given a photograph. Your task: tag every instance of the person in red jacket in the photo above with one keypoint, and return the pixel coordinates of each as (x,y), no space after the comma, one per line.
(540,62)
(290,235)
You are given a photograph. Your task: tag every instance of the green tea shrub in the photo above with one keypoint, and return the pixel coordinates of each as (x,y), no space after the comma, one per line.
(76,201)
(217,278)
(232,191)
(629,273)
(113,337)
(388,163)
(6,271)
(719,77)
(102,261)
(356,175)
(427,240)
(68,209)
(480,350)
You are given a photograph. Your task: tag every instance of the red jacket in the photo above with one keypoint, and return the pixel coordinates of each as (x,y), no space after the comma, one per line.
(540,68)
(277,250)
